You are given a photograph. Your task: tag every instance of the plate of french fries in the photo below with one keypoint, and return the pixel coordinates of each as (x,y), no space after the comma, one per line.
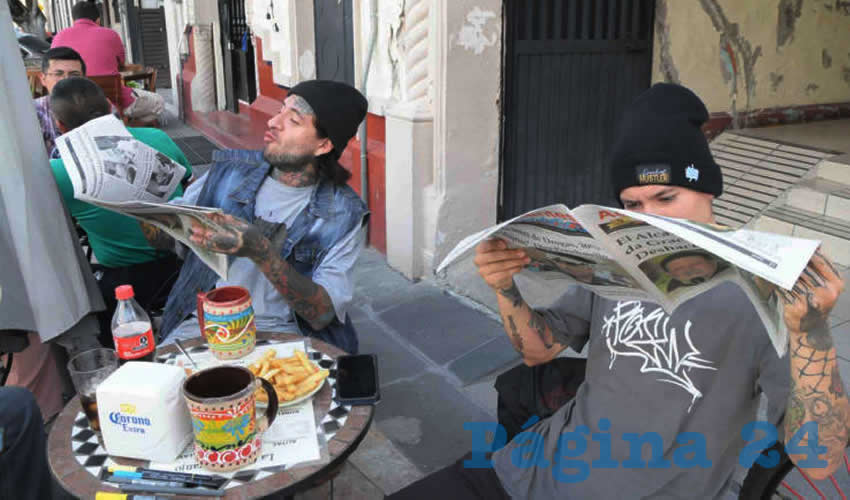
(295,378)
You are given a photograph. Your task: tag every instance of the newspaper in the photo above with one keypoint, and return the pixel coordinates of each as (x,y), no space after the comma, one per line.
(109,168)
(618,253)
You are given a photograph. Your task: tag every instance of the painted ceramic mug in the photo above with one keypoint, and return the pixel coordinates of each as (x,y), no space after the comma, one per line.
(226,318)
(222,403)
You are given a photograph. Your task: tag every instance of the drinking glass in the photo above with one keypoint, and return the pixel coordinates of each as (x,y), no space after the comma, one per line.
(88,369)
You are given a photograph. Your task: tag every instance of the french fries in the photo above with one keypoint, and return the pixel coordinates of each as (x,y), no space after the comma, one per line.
(291,377)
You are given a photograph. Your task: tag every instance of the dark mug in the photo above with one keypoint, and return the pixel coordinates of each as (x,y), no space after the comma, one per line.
(222,403)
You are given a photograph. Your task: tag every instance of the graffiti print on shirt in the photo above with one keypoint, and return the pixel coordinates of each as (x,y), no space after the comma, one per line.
(667,351)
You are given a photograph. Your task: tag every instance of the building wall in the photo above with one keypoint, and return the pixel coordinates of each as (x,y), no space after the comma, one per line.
(741,56)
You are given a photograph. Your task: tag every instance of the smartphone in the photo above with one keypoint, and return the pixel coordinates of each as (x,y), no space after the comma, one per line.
(357,380)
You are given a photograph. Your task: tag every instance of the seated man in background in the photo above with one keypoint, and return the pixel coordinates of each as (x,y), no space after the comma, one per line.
(123,254)
(291,222)
(57,64)
(103,51)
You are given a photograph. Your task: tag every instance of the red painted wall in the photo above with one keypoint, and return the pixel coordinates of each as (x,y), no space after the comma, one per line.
(375,156)
(267,85)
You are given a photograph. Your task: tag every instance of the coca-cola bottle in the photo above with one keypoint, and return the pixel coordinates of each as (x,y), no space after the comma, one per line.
(131,328)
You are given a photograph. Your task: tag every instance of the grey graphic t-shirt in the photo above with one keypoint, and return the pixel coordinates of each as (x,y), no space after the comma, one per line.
(650,377)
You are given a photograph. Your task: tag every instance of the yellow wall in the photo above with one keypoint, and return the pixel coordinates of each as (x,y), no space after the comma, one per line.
(786,52)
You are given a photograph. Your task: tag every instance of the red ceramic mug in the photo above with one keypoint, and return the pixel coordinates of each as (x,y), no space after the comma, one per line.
(226,317)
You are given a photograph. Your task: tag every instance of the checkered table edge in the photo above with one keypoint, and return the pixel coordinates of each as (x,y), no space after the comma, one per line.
(93,457)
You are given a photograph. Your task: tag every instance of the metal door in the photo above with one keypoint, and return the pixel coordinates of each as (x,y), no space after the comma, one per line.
(334,40)
(571,67)
(155,44)
(240,81)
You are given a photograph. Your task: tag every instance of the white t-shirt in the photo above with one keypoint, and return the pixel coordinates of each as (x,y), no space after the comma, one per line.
(279,203)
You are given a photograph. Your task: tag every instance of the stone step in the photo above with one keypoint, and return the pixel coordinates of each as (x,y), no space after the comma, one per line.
(821,196)
(836,168)
(834,232)
(756,174)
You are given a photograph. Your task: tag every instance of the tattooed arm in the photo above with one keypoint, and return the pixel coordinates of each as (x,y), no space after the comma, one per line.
(817,391)
(527,330)
(306,298)
(158,238)
(236,237)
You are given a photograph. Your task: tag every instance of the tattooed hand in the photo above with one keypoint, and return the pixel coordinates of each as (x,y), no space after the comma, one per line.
(229,235)
(817,391)
(497,264)
(808,304)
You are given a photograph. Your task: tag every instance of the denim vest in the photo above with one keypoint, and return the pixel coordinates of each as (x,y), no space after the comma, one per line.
(232,185)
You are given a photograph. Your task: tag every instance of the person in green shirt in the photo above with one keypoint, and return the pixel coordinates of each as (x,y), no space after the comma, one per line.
(122,252)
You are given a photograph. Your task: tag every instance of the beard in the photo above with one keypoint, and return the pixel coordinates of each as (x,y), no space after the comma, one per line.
(288,162)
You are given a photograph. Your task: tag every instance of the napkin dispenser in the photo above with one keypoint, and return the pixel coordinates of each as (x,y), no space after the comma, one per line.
(142,412)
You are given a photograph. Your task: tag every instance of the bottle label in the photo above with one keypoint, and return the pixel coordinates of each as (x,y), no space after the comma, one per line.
(135,346)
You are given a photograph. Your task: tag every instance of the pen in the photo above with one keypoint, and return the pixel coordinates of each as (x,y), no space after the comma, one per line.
(203,492)
(142,473)
(148,482)
(108,495)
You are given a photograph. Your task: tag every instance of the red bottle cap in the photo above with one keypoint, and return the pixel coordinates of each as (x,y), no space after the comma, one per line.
(124,292)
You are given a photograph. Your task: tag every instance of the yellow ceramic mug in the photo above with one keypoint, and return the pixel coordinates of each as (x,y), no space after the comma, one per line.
(222,403)
(226,317)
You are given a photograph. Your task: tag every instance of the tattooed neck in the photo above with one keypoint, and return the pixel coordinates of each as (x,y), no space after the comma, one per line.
(302,178)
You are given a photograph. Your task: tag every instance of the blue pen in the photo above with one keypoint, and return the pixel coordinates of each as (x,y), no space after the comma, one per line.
(144,482)
(127,474)
(157,475)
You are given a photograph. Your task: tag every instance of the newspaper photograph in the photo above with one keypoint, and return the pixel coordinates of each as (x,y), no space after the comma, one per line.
(617,253)
(109,168)
(673,266)
(776,258)
(106,163)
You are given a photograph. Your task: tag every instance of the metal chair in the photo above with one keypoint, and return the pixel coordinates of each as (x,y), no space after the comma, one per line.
(763,483)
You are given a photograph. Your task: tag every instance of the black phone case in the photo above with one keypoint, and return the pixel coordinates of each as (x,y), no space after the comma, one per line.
(367,400)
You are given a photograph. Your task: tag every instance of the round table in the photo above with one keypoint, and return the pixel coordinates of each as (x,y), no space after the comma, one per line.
(81,483)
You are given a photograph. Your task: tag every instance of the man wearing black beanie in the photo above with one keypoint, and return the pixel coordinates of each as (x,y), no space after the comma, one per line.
(686,384)
(291,224)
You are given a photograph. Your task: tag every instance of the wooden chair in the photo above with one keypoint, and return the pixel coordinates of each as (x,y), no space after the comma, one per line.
(34,80)
(111,85)
(150,83)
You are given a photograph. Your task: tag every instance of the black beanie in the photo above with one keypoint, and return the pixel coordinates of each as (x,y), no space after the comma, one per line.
(659,141)
(339,108)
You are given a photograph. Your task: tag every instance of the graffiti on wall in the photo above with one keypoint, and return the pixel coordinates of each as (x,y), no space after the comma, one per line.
(737,56)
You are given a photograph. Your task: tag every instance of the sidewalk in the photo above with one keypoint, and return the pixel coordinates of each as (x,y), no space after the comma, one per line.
(438,356)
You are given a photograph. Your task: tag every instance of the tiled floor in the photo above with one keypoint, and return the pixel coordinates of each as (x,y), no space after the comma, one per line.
(198,149)
(755,173)
(243,130)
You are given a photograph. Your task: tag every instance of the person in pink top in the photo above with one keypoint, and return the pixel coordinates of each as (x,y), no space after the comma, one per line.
(103,52)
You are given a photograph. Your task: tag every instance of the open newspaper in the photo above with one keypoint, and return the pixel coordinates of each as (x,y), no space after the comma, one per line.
(109,168)
(622,254)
